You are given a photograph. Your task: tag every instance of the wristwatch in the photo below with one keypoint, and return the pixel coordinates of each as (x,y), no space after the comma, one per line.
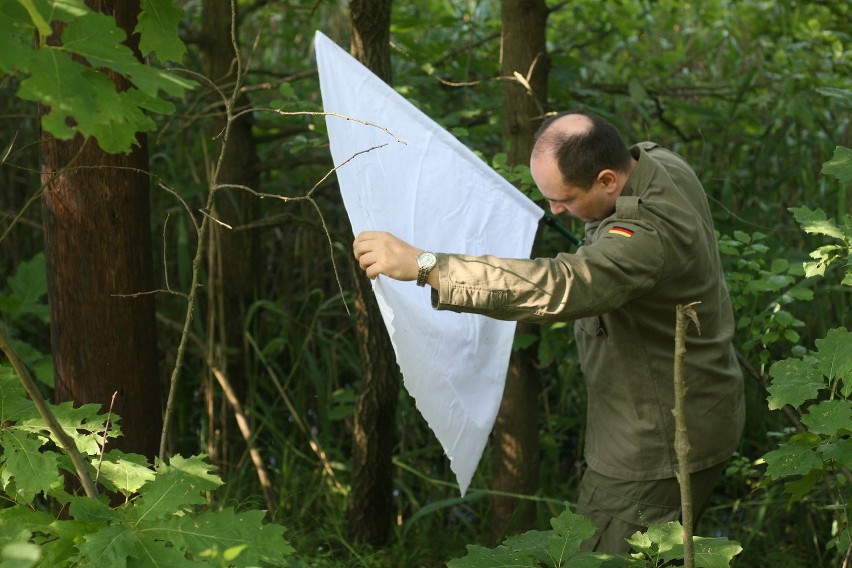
(426,262)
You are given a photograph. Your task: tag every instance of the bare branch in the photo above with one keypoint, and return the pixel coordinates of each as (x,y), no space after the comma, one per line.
(322,113)
(245,430)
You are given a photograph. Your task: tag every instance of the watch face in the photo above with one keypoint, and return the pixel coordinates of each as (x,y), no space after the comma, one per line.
(426,259)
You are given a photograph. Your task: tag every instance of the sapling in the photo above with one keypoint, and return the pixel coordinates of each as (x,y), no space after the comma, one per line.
(682,446)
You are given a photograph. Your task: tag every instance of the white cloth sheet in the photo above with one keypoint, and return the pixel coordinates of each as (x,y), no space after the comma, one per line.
(433,192)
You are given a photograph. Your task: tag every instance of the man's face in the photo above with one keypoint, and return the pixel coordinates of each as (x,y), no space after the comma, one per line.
(587,205)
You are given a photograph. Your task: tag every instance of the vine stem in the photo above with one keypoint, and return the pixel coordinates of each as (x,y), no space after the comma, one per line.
(682,447)
(55,427)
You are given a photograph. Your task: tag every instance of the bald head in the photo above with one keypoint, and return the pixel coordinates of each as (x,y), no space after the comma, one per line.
(583,145)
(553,132)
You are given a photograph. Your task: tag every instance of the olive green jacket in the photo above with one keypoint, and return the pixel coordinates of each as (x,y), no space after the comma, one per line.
(656,251)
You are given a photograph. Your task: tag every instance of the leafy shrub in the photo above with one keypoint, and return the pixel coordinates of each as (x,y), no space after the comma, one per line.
(558,547)
(815,462)
(163,517)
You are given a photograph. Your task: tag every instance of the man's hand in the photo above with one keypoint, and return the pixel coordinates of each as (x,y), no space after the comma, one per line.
(379,252)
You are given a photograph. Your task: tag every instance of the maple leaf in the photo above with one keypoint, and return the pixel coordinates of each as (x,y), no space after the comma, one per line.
(14,404)
(213,533)
(157,27)
(32,469)
(126,473)
(177,485)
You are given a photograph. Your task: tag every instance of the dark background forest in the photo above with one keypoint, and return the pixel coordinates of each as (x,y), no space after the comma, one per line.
(262,347)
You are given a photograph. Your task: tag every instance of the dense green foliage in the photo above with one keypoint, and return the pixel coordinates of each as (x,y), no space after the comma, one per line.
(754,94)
(658,546)
(164,518)
(82,99)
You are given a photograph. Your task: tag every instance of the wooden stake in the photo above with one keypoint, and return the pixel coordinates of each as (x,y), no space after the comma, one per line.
(682,447)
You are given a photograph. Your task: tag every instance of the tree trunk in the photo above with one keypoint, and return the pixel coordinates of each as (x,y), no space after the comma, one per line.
(375,411)
(515,436)
(371,35)
(99,249)
(232,254)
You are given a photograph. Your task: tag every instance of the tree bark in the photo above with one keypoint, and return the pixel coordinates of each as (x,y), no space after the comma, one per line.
(232,255)
(515,436)
(371,35)
(98,249)
(374,436)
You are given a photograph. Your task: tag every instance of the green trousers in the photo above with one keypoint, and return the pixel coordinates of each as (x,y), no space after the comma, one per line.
(620,508)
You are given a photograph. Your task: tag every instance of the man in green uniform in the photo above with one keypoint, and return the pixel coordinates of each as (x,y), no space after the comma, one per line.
(649,247)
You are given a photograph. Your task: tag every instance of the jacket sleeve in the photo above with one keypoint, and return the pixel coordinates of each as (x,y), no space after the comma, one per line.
(625,261)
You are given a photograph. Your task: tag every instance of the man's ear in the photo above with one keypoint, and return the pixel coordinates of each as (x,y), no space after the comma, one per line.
(608,179)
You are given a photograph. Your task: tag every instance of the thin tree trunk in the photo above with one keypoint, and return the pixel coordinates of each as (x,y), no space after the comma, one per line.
(98,249)
(232,255)
(515,437)
(375,412)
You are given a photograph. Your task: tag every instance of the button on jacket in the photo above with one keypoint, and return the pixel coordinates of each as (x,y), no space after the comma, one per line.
(656,251)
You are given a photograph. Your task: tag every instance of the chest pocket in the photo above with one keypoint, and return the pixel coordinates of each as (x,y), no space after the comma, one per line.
(592,326)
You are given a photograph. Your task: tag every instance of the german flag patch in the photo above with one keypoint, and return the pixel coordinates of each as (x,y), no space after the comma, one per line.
(623,231)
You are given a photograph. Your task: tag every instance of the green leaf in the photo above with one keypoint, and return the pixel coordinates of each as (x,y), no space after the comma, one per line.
(152,553)
(83,424)
(91,510)
(779,266)
(838,451)
(829,418)
(601,560)
(815,222)
(709,552)
(840,165)
(16,33)
(14,404)
(499,557)
(834,355)
(801,294)
(34,471)
(126,472)
(27,287)
(569,531)
(40,363)
(658,539)
(176,485)
(97,38)
(72,92)
(262,542)
(532,543)
(13,519)
(797,457)
(110,546)
(119,134)
(158,27)
(800,487)
(65,535)
(794,381)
